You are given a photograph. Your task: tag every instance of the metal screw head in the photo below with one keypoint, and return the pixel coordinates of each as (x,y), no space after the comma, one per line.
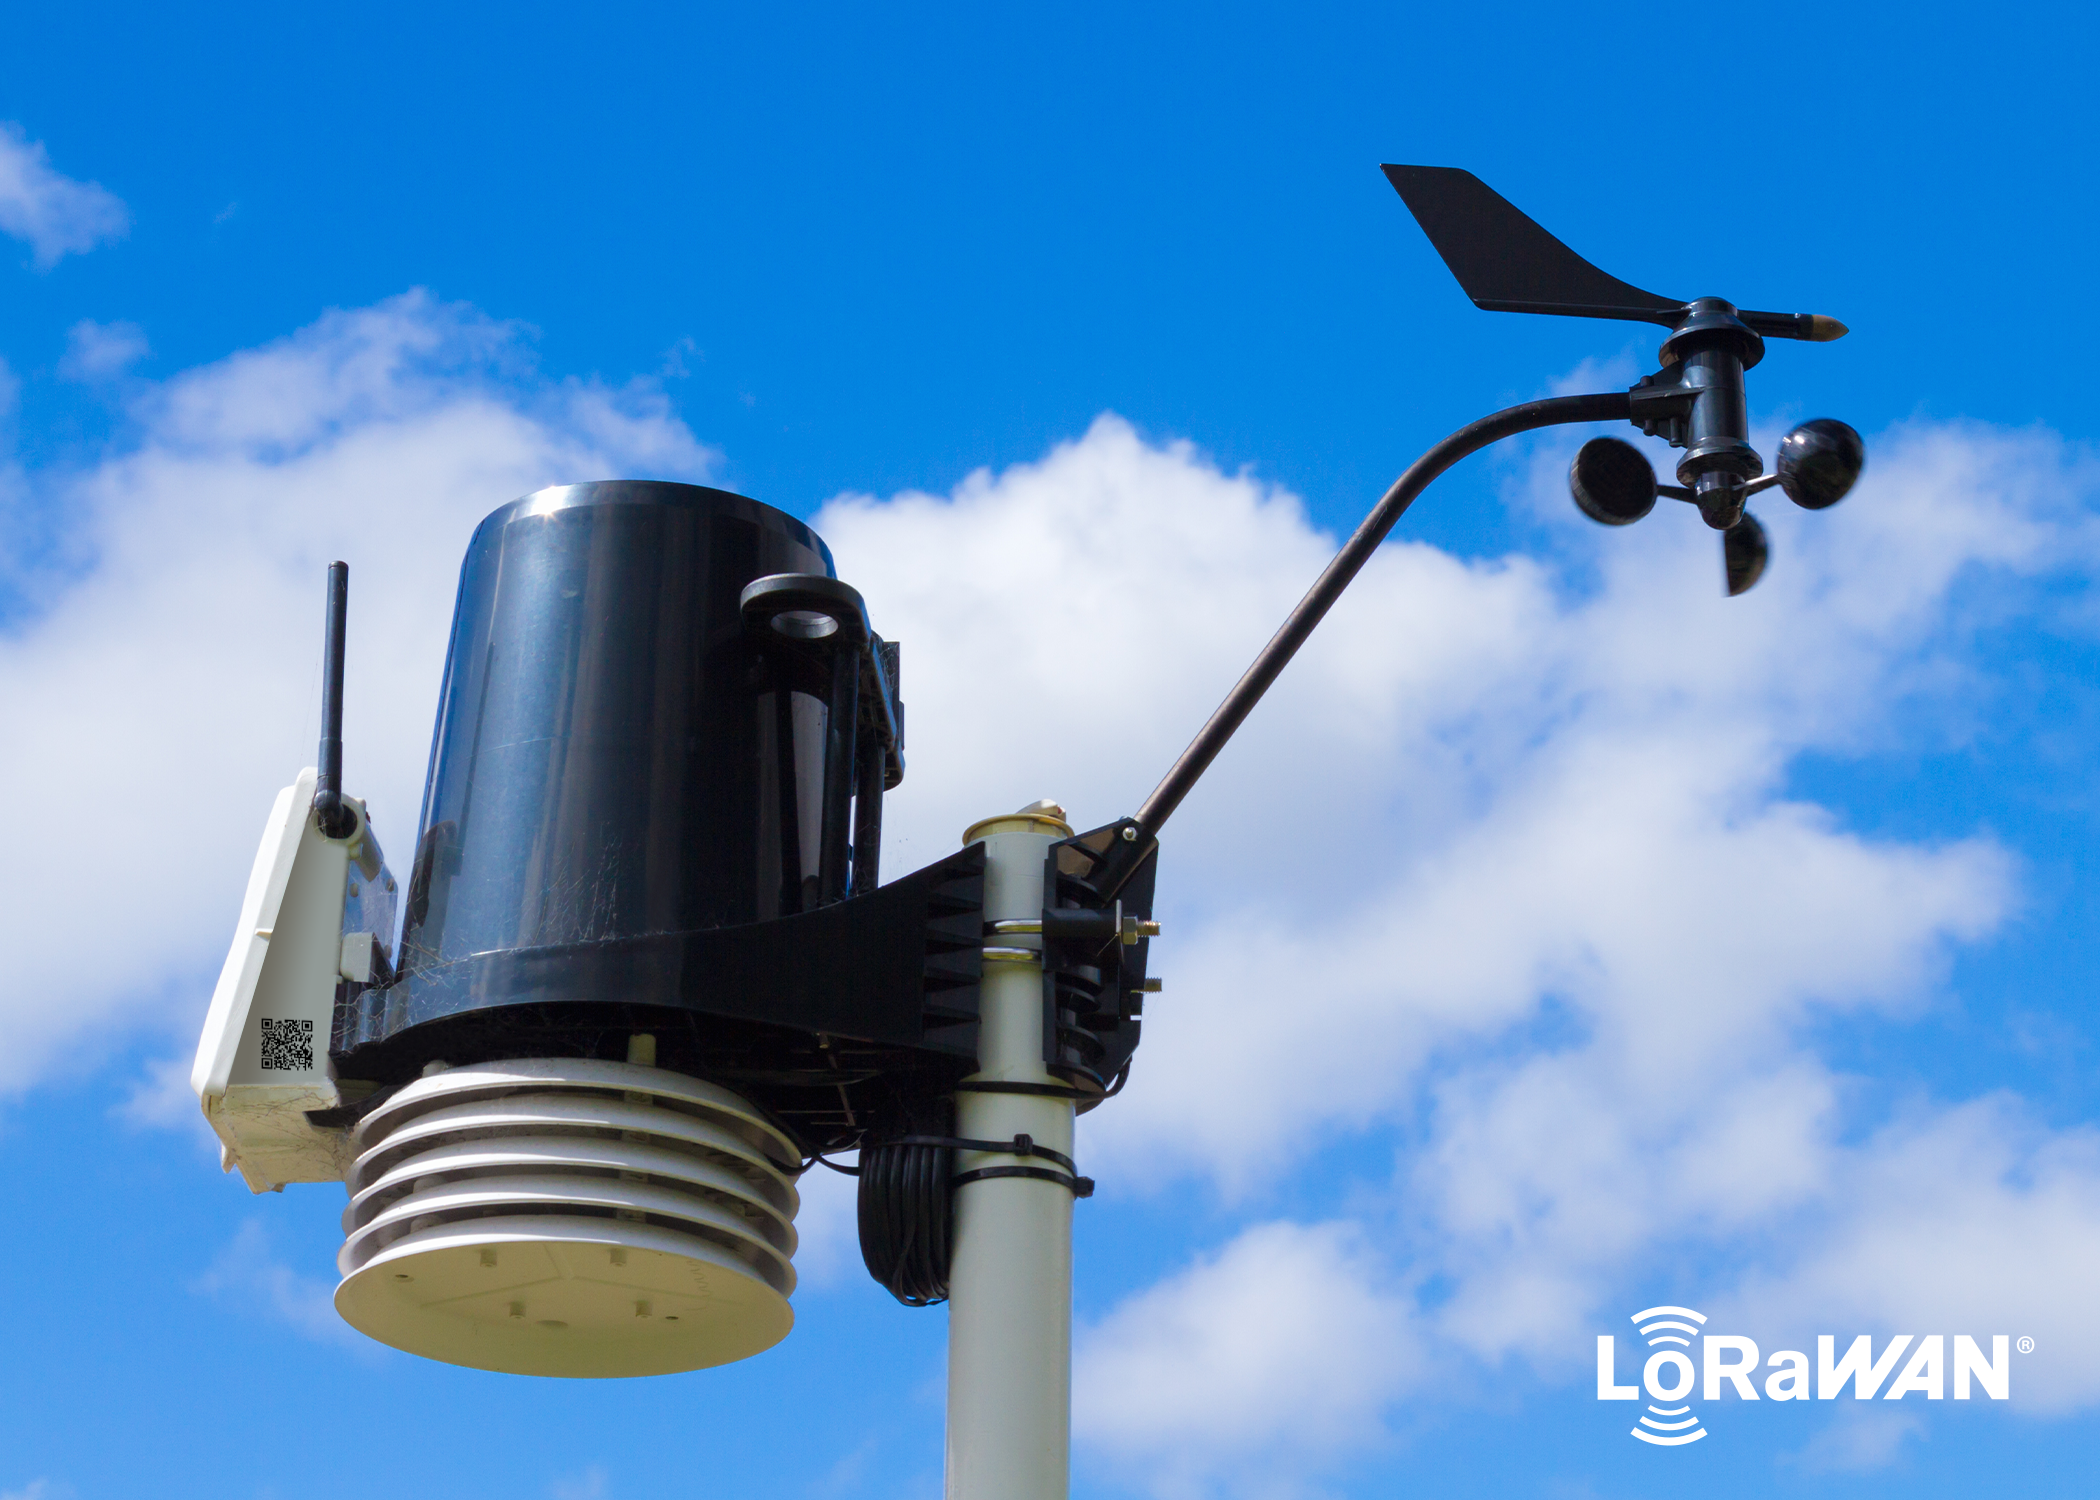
(1129,833)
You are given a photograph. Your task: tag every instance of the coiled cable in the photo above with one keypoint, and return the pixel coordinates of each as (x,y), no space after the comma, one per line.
(905,1208)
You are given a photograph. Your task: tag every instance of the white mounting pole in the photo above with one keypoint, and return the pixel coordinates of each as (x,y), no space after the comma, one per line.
(1010,1276)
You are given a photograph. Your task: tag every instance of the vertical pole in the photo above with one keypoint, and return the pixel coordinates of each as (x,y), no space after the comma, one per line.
(1010,1279)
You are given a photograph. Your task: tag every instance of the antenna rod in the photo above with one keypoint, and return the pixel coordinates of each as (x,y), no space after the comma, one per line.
(335,820)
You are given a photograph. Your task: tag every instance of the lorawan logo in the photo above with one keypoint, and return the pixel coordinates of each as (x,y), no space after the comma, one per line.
(1668,1374)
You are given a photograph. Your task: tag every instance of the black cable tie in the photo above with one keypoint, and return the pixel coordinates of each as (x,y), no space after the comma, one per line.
(1020,1145)
(1081,1187)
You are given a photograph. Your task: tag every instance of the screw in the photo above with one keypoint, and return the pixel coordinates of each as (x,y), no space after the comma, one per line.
(1138,927)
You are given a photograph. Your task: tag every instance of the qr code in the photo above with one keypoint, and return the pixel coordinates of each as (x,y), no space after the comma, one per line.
(287,1046)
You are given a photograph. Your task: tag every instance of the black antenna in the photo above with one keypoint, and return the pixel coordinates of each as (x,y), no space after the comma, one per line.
(336,820)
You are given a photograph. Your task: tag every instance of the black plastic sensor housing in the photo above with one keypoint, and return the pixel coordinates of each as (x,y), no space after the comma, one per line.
(654,806)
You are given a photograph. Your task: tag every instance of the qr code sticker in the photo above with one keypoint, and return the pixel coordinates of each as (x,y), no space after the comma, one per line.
(287,1046)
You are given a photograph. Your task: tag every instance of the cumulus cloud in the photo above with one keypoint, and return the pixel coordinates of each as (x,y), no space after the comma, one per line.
(1281,1348)
(591,1484)
(1976,1219)
(100,351)
(1505,878)
(55,214)
(1860,1442)
(247,1274)
(1506,873)
(827,1228)
(162,1100)
(162,689)
(39,1489)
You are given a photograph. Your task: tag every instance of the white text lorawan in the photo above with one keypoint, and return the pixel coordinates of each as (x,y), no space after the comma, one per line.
(1668,1374)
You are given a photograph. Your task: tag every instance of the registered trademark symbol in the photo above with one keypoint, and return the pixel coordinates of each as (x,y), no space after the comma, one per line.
(2026,1344)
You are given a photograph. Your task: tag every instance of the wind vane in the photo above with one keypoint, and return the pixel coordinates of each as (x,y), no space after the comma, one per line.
(1507,263)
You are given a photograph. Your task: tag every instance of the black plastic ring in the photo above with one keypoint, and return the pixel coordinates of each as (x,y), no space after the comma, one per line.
(1040,1090)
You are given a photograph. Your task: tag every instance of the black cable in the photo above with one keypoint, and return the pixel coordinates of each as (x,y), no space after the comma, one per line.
(907,1195)
(905,1204)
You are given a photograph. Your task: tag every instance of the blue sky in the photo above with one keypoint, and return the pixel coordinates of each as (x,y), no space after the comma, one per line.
(1561,939)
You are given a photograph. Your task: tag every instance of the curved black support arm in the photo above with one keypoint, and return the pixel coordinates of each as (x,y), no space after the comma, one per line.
(1139,834)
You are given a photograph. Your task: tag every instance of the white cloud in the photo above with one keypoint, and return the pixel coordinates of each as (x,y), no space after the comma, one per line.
(1859,1442)
(849,1474)
(827,1227)
(1504,877)
(1268,1360)
(591,1484)
(55,214)
(1470,792)
(158,700)
(162,1100)
(1504,867)
(247,1274)
(39,1489)
(1976,1220)
(101,351)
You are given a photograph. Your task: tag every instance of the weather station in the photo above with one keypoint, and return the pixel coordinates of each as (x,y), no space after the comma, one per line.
(641,972)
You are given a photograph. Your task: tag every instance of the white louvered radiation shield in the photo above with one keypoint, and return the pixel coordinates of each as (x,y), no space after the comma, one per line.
(570,1217)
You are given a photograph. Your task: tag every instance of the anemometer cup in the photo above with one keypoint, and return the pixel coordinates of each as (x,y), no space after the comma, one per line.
(1744,553)
(1819,462)
(1612,482)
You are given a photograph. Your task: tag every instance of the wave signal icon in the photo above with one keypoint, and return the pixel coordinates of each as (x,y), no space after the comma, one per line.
(1663,1328)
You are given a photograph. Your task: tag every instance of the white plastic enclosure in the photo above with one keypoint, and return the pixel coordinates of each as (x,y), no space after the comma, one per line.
(262,1061)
